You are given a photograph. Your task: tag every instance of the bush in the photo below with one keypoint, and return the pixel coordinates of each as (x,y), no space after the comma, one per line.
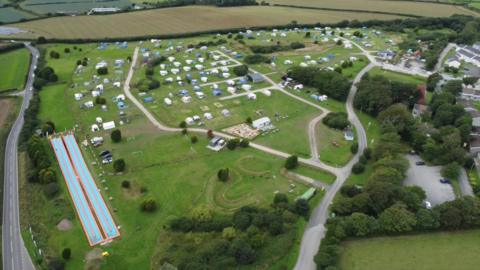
(223,174)
(297,45)
(240,70)
(249,120)
(66,253)
(232,144)
(291,162)
(244,143)
(100,100)
(302,208)
(183,124)
(354,148)
(451,170)
(56,264)
(126,184)
(66,50)
(148,205)
(358,168)
(116,136)
(51,190)
(367,153)
(119,165)
(256,59)
(194,139)
(102,71)
(184,131)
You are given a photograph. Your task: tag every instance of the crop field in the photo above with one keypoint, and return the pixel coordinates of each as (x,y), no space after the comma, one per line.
(52,6)
(9,14)
(401,7)
(422,252)
(14,69)
(182,20)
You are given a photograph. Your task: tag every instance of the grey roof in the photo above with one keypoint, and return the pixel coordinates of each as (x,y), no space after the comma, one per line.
(476,122)
(256,77)
(465,53)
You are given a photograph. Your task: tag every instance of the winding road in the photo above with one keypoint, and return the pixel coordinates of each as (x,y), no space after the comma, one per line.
(15,255)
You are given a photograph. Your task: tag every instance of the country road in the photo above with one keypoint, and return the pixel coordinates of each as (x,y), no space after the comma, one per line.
(15,255)
(315,230)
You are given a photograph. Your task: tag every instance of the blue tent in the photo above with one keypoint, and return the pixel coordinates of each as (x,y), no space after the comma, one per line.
(217,92)
(148,99)
(183,92)
(121,105)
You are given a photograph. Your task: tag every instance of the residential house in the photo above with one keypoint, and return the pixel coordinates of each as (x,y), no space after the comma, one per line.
(419,109)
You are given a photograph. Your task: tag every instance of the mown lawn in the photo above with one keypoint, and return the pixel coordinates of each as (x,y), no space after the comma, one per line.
(179,175)
(332,146)
(417,80)
(439,251)
(14,69)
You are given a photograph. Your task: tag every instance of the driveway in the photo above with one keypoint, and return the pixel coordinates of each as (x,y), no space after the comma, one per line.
(427,177)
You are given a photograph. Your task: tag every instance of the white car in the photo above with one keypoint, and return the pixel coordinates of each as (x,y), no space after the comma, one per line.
(428,205)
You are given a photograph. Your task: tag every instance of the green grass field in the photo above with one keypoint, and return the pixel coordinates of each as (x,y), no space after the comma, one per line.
(332,147)
(177,173)
(417,80)
(15,67)
(439,251)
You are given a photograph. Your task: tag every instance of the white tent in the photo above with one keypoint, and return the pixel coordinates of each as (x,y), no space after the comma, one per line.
(167,101)
(108,125)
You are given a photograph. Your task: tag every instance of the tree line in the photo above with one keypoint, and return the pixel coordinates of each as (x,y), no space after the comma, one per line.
(234,239)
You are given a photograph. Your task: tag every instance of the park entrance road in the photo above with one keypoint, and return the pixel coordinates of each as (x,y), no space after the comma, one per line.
(15,255)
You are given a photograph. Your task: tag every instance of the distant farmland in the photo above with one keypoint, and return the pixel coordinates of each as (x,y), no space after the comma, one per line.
(182,20)
(427,9)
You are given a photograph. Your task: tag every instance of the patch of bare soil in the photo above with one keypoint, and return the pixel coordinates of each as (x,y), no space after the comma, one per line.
(5,106)
(65,225)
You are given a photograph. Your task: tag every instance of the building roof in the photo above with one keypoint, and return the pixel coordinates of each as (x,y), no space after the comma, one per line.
(261,122)
(420,108)
(476,122)
(256,77)
(466,53)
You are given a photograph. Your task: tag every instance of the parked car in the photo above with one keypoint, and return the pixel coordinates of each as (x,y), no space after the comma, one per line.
(445,181)
(104,153)
(107,160)
(428,205)
(420,163)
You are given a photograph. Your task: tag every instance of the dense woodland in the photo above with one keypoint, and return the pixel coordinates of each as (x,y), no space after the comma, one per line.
(226,241)
(383,206)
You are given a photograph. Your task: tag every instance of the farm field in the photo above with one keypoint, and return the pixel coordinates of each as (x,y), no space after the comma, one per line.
(401,7)
(424,251)
(181,20)
(9,15)
(52,6)
(15,67)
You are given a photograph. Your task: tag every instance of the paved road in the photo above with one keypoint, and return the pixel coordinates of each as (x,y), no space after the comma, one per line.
(465,186)
(427,177)
(442,56)
(15,255)
(315,230)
